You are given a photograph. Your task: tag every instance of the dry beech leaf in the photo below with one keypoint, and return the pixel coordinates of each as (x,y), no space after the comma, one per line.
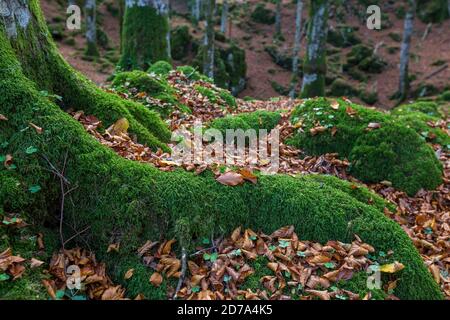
(35,263)
(248,175)
(113,247)
(38,129)
(373,125)
(334,104)
(317,130)
(3,118)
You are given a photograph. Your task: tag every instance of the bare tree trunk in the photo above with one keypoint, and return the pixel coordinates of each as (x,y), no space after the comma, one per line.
(224,18)
(448,7)
(278,18)
(169,47)
(315,66)
(91,27)
(208,61)
(404,53)
(297,43)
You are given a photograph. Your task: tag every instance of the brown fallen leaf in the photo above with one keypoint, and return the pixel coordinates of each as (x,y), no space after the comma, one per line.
(156,279)
(373,125)
(35,263)
(40,241)
(113,247)
(334,104)
(350,111)
(49,286)
(120,127)
(3,118)
(8,160)
(323,295)
(230,178)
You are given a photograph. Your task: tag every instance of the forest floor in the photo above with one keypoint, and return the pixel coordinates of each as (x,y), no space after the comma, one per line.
(262,70)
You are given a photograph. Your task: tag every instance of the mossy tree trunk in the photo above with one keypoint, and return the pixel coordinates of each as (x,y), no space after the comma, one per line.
(144,33)
(315,64)
(404,52)
(125,202)
(208,52)
(90,8)
(278,18)
(224,17)
(297,42)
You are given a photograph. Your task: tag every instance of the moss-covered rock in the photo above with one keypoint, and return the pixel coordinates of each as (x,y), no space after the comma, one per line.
(263,15)
(434,11)
(149,26)
(362,56)
(389,151)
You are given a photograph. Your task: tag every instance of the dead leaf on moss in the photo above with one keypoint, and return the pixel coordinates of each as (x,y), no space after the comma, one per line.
(392,267)
(230,178)
(129,274)
(38,129)
(156,279)
(317,130)
(3,118)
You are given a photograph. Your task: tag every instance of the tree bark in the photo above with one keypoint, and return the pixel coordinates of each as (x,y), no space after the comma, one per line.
(209,47)
(224,18)
(405,48)
(196,9)
(278,18)
(125,202)
(91,28)
(144,34)
(297,43)
(315,67)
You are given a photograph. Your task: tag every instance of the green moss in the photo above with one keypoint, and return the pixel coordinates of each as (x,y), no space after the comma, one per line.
(358,284)
(369,97)
(434,11)
(144,38)
(446,95)
(130,202)
(362,57)
(161,68)
(263,15)
(343,37)
(180,42)
(253,120)
(426,107)
(193,74)
(393,152)
(261,270)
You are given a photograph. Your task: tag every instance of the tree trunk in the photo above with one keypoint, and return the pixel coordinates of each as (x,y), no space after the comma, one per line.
(404,52)
(224,18)
(91,28)
(297,42)
(144,36)
(208,54)
(278,18)
(315,66)
(127,203)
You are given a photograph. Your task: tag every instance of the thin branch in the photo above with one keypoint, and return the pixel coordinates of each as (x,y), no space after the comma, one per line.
(183,271)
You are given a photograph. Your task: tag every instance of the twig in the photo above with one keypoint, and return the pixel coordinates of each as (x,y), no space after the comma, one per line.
(427,30)
(183,271)
(76,235)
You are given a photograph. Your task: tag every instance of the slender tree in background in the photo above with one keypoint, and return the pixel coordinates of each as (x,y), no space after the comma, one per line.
(208,53)
(144,33)
(448,7)
(315,65)
(404,52)
(168,34)
(224,18)
(278,18)
(121,4)
(297,42)
(90,7)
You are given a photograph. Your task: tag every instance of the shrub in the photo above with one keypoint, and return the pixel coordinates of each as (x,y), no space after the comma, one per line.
(263,15)
(161,68)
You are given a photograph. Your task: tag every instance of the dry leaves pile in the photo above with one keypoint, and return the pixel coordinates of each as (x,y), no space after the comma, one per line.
(295,269)
(11,265)
(95,284)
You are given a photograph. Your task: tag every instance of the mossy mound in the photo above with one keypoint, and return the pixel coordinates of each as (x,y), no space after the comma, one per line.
(192,74)
(263,15)
(378,148)
(362,57)
(161,68)
(129,202)
(253,120)
(342,88)
(150,27)
(445,96)
(230,67)
(434,11)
